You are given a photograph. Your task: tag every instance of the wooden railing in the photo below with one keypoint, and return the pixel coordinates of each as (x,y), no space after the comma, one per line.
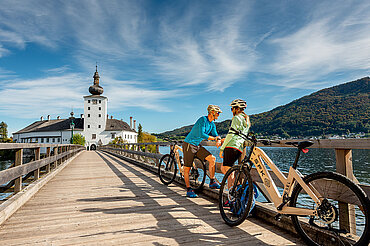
(342,147)
(11,179)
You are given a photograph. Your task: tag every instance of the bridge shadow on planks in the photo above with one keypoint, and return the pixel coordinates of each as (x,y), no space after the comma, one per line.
(185,229)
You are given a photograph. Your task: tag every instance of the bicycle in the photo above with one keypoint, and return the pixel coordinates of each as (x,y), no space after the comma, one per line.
(170,163)
(318,203)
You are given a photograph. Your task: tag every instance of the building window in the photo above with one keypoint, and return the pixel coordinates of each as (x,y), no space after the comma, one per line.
(42,140)
(99,126)
(53,140)
(94,101)
(113,135)
(88,126)
(99,115)
(47,140)
(58,140)
(88,101)
(99,101)
(99,108)
(88,108)
(88,115)
(93,136)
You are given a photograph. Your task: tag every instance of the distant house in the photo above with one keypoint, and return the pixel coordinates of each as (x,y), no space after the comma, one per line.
(94,124)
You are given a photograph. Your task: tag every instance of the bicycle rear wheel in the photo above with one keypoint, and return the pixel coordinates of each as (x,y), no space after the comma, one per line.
(167,169)
(235,196)
(341,219)
(197,174)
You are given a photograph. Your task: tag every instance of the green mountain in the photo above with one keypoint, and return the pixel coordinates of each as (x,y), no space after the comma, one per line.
(336,110)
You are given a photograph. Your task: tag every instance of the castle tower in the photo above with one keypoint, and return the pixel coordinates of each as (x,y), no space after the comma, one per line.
(95,112)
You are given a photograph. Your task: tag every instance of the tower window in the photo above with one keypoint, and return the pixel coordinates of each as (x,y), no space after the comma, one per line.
(88,101)
(113,135)
(99,101)
(99,115)
(99,108)
(99,126)
(88,108)
(88,115)
(88,126)
(94,101)
(93,136)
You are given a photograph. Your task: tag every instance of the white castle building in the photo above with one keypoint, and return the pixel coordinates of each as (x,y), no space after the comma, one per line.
(94,124)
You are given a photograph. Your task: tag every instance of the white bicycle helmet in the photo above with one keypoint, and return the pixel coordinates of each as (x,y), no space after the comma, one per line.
(238,103)
(214,108)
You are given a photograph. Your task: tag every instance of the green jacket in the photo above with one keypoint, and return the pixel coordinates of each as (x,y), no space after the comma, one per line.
(239,122)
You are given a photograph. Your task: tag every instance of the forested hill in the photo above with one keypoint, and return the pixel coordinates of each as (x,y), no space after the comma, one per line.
(336,110)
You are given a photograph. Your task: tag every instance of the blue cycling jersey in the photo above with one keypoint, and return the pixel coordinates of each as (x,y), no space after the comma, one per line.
(201,130)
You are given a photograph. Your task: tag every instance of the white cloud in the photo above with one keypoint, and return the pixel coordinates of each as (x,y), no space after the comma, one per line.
(332,42)
(216,55)
(59,94)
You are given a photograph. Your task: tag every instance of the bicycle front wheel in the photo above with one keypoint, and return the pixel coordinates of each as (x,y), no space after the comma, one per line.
(236,196)
(197,174)
(343,216)
(167,169)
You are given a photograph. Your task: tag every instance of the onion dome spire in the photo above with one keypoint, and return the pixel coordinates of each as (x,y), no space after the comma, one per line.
(96,89)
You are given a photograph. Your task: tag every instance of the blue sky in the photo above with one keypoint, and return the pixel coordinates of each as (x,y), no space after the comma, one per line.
(163,62)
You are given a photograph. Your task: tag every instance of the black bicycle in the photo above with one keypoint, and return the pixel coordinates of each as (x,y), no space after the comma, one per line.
(170,163)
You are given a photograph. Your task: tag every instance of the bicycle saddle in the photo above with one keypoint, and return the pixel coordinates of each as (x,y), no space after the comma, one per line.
(300,145)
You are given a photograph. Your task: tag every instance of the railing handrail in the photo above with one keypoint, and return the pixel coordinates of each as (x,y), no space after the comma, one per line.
(8,146)
(348,143)
(17,171)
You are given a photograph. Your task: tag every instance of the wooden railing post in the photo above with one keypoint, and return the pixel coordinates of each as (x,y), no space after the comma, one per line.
(47,155)
(347,216)
(18,162)
(59,152)
(55,153)
(36,173)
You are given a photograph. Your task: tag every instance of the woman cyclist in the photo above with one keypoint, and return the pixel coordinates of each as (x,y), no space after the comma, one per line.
(233,144)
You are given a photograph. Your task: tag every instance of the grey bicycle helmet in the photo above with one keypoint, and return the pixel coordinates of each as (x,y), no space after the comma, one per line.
(238,103)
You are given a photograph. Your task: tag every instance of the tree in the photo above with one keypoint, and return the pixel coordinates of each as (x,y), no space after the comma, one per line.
(118,140)
(3,132)
(79,139)
(140,134)
(147,138)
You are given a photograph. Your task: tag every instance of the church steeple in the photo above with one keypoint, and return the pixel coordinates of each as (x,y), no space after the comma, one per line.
(96,89)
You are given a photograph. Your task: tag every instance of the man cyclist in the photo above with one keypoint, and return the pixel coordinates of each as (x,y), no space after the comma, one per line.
(204,128)
(233,144)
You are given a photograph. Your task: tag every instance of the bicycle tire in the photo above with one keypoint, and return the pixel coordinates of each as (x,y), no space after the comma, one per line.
(197,175)
(328,215)
(167,169)
(228,195)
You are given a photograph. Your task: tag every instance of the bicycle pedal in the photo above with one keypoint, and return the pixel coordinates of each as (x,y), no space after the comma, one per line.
(278,217)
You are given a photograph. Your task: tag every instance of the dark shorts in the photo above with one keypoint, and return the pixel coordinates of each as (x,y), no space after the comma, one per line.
(231,155)
(190,151)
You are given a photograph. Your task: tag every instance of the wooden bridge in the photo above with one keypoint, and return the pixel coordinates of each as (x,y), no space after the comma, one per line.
(80,197)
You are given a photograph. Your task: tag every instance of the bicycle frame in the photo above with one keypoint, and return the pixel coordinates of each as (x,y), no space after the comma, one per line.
(259,158)
(175,151)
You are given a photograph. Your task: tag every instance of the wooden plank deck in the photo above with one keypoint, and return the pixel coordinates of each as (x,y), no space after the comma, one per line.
(99,199)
